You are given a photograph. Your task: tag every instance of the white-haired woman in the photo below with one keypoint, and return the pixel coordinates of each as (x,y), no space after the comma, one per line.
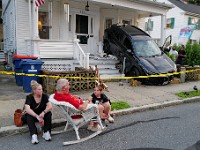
(38,109)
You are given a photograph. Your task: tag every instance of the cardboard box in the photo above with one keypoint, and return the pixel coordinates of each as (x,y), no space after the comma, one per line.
(175,81)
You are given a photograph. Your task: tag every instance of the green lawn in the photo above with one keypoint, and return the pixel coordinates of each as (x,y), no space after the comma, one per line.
(119,105)
(188,94)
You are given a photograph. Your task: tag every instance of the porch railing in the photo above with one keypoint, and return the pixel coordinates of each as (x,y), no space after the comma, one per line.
(79,54)
(58,49)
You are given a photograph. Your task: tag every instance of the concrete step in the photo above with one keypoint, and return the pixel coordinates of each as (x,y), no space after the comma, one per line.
(109,66)
(108,71)
(112,76)
(103,61)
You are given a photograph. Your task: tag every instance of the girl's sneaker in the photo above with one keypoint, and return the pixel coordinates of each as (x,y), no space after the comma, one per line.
(47,136)
(110,119)
(34,139)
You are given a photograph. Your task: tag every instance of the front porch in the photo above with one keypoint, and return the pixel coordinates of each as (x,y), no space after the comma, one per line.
(64,30)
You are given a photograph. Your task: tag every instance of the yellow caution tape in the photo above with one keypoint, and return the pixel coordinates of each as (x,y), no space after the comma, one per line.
(95,78)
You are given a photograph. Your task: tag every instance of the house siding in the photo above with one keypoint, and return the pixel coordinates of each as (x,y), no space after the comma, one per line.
(181,20)
(23,30)
(179,23)
(196,33)
(9,26)
(117,15)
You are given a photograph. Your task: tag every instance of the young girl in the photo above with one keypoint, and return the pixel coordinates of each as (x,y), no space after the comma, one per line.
(98,97)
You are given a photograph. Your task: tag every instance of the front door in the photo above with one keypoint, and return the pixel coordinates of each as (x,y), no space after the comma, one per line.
(84,31)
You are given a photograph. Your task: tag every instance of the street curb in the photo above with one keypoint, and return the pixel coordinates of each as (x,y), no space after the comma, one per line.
(12,130)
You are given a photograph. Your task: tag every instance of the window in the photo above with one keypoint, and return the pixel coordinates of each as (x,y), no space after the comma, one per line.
(193,41)
(149,25)
(170,23)
(194,21)
(108,23)
(82,24)
(43,25)
(126,22)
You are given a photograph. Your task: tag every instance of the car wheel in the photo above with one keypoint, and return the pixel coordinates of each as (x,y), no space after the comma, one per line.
(133,72)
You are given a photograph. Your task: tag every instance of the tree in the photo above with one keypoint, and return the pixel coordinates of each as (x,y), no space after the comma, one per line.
(195,2)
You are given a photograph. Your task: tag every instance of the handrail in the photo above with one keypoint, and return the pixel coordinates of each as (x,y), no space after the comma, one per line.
(81,56)
(79,47)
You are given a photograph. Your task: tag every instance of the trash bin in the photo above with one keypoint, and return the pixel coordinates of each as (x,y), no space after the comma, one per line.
(18,68)
(30,66)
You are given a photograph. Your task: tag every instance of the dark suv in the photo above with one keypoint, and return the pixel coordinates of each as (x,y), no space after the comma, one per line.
(138,52)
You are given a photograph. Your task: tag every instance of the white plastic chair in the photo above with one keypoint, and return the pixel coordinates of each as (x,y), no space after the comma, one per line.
(87,116)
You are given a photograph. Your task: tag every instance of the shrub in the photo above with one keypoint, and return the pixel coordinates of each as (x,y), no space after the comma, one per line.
(193,54)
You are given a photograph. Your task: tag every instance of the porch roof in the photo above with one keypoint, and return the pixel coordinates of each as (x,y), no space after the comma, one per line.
(144,7)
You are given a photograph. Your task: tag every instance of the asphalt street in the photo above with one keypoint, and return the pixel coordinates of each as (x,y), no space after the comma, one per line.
(175,127)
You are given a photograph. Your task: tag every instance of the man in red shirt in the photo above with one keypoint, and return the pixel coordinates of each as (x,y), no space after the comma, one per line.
(62,94)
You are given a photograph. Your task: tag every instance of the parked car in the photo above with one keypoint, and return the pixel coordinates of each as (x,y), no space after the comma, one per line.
(138,53)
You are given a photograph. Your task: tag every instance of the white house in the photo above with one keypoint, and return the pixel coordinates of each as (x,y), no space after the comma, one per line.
(50,30)
(180,16)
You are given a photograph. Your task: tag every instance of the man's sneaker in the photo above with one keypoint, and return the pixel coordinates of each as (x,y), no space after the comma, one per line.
(34,139)
(89,127)
(94,129)
(110,119)
(47,136)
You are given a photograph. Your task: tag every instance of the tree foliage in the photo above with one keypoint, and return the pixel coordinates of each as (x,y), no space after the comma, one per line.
(195,2)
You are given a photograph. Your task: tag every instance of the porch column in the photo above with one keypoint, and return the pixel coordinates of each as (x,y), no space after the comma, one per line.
(35,20)
(66,18)
(163,31)
(35,31)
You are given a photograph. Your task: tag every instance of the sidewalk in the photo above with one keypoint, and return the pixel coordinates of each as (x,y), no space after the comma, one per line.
(140,98)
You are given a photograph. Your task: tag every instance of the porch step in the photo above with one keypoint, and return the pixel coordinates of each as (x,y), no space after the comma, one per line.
(108,71)
(106,66)
(103,62)
(112,76)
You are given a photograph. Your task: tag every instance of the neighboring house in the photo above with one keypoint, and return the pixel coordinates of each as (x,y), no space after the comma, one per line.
(49,31)
(180,16)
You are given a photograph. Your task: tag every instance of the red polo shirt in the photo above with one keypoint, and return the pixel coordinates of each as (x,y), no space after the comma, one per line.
(75,101)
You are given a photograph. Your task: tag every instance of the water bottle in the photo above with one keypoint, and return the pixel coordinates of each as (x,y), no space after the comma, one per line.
(39,126)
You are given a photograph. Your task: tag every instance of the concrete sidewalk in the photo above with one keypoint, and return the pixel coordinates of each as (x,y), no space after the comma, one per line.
(140,98)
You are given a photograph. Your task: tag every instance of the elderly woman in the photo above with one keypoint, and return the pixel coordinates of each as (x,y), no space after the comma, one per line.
(62,94)
(38,109)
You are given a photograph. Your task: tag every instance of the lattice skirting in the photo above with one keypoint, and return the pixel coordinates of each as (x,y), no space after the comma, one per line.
(85,80)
